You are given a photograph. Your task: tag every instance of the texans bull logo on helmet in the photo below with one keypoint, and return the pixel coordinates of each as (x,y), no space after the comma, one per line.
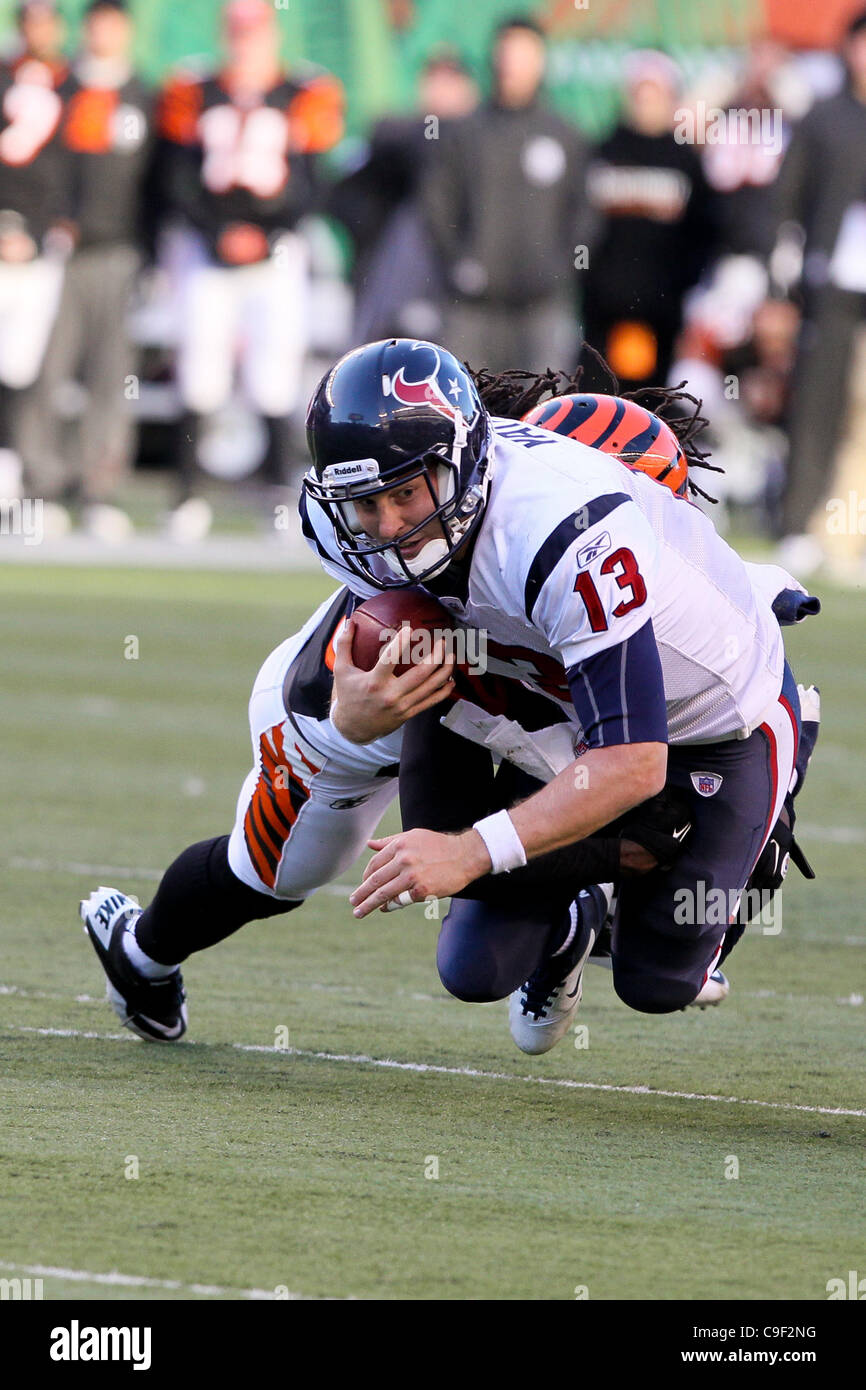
(387,413)
(427,391)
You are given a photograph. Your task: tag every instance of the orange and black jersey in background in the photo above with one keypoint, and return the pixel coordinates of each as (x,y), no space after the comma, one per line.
(25,67)
(109,134)
(35,169)
(227,162)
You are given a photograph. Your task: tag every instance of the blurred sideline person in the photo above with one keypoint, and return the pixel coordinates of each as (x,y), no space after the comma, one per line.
(238,173)
(822,189)
(41,32)
(35,201)
(656,231)
(396,276)
(741,169)
(107,132)
(505,204)
(737,321)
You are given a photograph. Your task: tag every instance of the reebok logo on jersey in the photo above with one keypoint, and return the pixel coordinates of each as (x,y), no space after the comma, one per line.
(593,549)
(706,783)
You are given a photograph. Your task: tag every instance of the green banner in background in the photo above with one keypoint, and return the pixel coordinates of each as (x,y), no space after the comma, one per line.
(377,47)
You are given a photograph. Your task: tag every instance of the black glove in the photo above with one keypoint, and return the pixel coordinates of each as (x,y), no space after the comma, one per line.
(660,825)
(779,851)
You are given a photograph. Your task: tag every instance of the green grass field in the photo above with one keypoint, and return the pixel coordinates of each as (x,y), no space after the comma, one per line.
(304,1169)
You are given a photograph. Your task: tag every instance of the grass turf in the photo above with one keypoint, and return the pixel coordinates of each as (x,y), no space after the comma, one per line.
(283,1169)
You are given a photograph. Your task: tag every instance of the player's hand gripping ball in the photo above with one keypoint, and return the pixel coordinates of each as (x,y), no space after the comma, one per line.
(393,660)
(415,615)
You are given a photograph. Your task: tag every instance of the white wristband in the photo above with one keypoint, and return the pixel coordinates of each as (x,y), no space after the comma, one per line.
(503,842)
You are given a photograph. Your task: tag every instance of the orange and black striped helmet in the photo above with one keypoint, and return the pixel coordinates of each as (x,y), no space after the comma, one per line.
(640,439)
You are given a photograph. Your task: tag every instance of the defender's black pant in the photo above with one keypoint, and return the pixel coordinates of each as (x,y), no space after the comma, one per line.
(199,902)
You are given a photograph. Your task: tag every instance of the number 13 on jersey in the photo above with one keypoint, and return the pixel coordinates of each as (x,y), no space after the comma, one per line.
(623,566)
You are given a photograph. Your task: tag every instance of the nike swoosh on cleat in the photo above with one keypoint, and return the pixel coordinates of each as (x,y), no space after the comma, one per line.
(166,1032)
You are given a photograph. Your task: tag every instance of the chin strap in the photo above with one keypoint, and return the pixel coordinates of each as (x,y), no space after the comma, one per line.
(435,552)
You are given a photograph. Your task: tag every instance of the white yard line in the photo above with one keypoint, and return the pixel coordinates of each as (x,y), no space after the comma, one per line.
(848,1000)
(434,1069)
(73,866)
(138,1281)
(837,834)
(280,552)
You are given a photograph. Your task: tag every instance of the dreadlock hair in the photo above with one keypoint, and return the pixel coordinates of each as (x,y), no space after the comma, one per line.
(513,393)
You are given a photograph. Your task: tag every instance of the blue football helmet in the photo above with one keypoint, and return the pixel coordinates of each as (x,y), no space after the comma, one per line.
(389,412)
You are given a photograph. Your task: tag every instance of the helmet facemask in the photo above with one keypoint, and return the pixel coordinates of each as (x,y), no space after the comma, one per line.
(386,414)
(457,516)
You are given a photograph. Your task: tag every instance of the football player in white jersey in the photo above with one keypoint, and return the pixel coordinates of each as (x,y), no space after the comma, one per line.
(594,587)
(306,810)
(313,798)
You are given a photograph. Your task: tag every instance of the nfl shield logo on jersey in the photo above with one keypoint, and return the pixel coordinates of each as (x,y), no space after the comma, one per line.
(706,783)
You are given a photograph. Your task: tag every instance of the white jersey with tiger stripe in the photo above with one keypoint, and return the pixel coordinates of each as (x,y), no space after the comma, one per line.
(575,553)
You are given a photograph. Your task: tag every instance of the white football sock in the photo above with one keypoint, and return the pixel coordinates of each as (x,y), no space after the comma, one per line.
(573,914)
(144,964)
(607,890)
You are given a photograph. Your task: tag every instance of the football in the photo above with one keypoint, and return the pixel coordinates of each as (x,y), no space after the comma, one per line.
(379,618)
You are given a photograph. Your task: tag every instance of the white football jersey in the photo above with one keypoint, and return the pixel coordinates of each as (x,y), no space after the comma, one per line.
(575,553)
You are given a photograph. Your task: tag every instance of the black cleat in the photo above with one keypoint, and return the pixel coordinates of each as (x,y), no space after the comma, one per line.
(154,1009)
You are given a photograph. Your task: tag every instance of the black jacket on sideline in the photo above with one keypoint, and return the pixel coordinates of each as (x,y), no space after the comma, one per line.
(506,205)
(823,173)
(658,224)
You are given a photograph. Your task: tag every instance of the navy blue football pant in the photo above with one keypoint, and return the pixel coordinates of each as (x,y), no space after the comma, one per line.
(669,928)
(491,941)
